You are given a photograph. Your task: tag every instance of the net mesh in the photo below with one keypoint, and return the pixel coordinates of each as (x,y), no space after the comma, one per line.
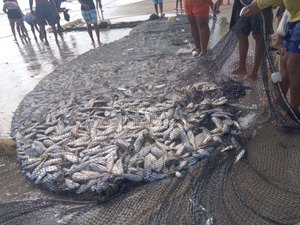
(260,186)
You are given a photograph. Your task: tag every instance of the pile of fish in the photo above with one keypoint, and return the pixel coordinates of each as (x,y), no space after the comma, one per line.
(90,144)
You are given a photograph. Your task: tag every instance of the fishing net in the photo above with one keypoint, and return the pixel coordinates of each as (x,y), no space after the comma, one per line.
(152,137)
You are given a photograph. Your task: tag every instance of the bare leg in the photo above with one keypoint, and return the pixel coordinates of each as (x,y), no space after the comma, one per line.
(243,51)
(33,31)
(156,8)
(204,33)
(285,83)
(97,32)
(18,30)
(257,57)
(55,32)
(12,26)
(195,31)
(293,68)
(90,31)
(161,9)
(43,34)
(23,29)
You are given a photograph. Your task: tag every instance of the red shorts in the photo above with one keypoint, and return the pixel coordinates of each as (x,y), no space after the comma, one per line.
(199,8)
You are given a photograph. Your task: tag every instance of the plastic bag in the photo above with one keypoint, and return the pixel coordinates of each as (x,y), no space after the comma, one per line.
(66,16)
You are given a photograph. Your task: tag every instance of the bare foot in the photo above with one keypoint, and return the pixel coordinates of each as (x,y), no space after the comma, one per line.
(240,71)
(203,53)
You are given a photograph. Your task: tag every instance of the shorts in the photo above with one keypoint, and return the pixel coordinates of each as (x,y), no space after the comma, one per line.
(254,23)
(89,16)
(45,15)
(157,1)
(235,14)
(14,14)
(292,37)
(197,8)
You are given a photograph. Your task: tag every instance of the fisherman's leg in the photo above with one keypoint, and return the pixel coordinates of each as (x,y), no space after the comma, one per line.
(90,32)
(257,57)
(97,32)
(156,8)
(195,31)
(161,9)
(243,51)
(12,26)
(43,34)
(285,83)
(293,68)
(204,33)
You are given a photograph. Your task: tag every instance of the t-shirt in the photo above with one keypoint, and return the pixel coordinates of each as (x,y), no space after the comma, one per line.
(293,6)
(88,2)
(11,5)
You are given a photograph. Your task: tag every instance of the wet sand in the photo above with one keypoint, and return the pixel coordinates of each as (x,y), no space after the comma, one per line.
(23,64)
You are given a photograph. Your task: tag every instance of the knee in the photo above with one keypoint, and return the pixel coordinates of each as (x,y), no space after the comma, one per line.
(203,23)
(293,65)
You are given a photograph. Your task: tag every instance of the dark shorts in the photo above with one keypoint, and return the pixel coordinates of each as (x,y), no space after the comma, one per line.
(14,14)
(292,37)
(254,24)
(45,15)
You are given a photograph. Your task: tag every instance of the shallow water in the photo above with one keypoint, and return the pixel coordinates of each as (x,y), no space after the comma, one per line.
(23,65)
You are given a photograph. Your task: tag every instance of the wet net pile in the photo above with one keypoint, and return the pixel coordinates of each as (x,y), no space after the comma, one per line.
(214,145)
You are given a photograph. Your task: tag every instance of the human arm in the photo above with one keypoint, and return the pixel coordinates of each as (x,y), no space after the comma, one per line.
(255,7)
(4,9)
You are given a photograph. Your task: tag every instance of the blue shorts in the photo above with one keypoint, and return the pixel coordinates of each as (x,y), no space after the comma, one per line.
(14,14)
(89,16)
(44,13)
(157,1)
(292,37)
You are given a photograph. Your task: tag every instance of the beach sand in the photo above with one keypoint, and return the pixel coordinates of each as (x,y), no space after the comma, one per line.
(24,64)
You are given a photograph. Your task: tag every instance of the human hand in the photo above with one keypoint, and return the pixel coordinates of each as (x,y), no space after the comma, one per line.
(251,10)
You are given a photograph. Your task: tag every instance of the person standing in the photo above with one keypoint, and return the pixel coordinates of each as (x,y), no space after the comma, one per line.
(44,13)
(251,25)
(291,71)
(32,21)
(15,17)
(179,2)
(89,14)
(197,12)
(161,7)
(56,11)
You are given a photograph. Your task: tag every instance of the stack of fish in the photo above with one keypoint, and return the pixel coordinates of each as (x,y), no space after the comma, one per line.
(135,135)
